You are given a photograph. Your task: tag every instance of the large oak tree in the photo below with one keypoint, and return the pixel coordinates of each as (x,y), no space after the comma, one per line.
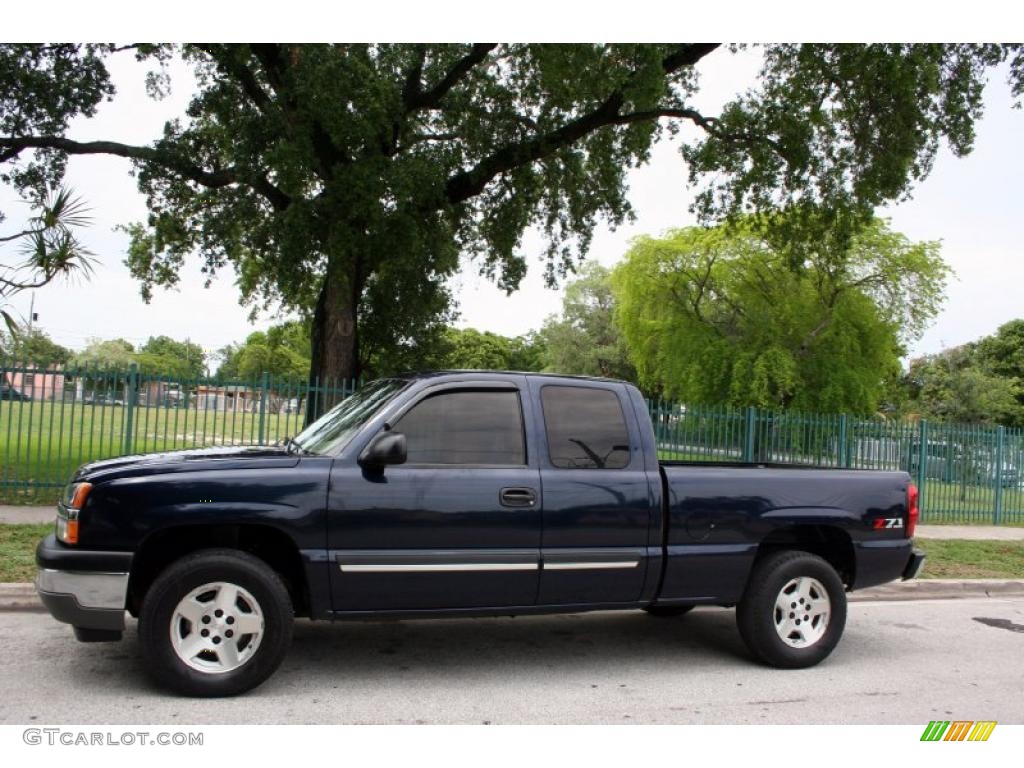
(349,180)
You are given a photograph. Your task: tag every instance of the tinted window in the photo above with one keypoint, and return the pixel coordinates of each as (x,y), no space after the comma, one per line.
(586,429)
(332,431)
(465,428)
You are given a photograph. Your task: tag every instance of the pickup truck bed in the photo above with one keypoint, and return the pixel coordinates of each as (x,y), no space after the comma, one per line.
(460,493)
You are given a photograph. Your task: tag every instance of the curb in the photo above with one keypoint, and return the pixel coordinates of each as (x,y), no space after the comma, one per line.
(19,597)
(23,597)
(940,589)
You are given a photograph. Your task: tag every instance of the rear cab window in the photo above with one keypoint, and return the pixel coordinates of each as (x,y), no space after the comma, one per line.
(585,426)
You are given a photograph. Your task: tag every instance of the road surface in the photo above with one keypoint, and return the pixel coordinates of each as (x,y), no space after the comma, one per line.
(898,663)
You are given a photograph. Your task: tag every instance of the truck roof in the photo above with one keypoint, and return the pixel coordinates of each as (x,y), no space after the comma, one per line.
(413,375)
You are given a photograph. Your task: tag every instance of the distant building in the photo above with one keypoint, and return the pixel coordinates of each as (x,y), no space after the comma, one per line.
(231,398)
(41,384)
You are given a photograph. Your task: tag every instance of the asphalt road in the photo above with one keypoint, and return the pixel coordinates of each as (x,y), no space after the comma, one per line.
(898,663)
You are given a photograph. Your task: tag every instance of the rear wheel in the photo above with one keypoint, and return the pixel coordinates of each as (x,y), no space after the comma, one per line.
(794,610)
(215,623)
(668,611)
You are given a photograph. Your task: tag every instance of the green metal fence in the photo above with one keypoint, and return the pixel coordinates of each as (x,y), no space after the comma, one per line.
(51,421)
(966,473)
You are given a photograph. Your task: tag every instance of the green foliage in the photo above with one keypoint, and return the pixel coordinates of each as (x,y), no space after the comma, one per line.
(18,549)
(163,356)
(1003,352)
(470,348)
(48,247)
(282,351)
(833,131)
(948,388)
(114,354)
(980,382)
(584,339)
(32,348)
(717,315)
(44,87)
(345,181)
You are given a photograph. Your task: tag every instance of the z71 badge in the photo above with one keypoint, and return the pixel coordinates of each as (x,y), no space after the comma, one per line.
(888,522)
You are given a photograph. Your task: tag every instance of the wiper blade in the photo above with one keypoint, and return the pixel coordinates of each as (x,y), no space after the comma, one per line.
(291,445)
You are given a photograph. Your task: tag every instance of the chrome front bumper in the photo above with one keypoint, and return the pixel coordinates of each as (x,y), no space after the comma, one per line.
(90,590)
(86,600)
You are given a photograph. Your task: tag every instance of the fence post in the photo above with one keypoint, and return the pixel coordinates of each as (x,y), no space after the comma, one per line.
(922,464)
(263,407)
(997,513)
(129,418)
(748,436)
(844,452)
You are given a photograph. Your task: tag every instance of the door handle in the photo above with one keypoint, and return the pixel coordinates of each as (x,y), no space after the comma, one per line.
(517,497)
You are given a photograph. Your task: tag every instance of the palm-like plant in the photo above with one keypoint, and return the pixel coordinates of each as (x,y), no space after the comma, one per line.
(46,249)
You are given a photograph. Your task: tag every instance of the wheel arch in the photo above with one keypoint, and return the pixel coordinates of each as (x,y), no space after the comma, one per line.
(167,545)
(832,543)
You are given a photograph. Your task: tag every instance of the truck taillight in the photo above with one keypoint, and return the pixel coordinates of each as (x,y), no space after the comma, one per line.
(913,512)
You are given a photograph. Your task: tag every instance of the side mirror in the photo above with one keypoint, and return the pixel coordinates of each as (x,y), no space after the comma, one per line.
(388,448)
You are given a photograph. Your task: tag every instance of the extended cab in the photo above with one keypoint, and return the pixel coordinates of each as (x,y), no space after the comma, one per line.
(453,494)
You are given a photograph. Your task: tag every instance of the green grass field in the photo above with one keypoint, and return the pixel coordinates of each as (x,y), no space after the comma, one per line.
(18,550)
(960,559)
(41,444)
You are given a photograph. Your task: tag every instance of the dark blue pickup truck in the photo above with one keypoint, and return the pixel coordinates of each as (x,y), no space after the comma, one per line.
(453,494)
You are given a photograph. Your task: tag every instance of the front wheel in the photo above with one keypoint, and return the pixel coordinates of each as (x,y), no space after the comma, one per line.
(793,611)
(215,623)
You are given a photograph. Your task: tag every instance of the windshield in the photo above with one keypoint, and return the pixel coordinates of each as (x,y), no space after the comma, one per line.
(332,431)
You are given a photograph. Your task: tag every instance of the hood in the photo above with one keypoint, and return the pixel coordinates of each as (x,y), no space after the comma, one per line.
(191,460)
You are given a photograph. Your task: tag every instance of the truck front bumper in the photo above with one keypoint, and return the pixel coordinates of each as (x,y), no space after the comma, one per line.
(86,589)
(914,565)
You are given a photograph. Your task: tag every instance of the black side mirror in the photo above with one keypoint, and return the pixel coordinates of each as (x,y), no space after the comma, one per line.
(388,448)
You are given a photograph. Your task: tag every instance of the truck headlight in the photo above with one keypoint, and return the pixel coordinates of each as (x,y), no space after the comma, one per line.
(71,502)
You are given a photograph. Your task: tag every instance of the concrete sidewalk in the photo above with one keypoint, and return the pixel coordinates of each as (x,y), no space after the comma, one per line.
(976,532)
(11,514)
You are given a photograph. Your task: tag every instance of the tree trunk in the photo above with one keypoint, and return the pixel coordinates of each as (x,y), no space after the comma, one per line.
(335,345)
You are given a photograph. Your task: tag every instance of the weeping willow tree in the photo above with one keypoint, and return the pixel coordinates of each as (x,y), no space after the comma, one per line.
(720,315)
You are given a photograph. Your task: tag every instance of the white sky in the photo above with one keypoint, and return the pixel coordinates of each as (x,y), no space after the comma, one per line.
(972,204)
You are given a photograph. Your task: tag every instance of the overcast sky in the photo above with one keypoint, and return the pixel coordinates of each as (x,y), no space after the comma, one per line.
(973,205)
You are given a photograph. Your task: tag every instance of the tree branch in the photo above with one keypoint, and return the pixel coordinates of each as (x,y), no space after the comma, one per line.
(274,67)
(472,182)
(419,138)
(19,235)
(805,345)
(432,98)
(235,68)
(212,179)
(411,89)
(11,146)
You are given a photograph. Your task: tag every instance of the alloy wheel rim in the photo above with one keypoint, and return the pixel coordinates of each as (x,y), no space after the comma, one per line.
(802,610)
(217,627)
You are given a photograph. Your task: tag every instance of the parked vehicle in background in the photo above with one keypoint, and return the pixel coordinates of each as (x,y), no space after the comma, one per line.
(7,392)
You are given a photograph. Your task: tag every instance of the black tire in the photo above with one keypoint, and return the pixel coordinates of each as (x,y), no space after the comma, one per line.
(756,614)
(668,611)
(191,572)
